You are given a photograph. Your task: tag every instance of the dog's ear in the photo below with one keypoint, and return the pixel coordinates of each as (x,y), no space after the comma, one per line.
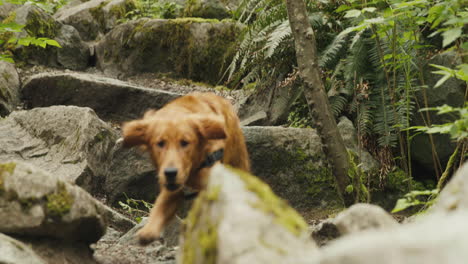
(211,127)
(134,133)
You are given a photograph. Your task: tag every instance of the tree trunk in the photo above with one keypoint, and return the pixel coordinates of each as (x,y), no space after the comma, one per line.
(317,100)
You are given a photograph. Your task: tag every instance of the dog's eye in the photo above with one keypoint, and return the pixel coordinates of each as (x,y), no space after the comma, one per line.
(184,143)
(161,143)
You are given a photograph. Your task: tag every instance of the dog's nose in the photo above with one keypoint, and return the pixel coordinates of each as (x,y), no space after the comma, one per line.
(170,173)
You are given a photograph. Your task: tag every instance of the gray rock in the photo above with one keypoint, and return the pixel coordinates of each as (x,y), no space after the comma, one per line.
(117,248)
(37,203)
(238,219)
(116,220)
(187,48)
(438,239)
(452,93)
(360,217)
(357,218)
(14,251)
(73,54)
(348,132)
(292,162)
(6,9)
(96,17)
(206,9)
(454,196)
(9,88)
(109,98)
(63,140)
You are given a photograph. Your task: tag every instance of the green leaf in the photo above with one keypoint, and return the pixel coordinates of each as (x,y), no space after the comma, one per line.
(442,80)
(451,35)
(369,9)
(352,13)
(342,8)
(349,189)
(401,205)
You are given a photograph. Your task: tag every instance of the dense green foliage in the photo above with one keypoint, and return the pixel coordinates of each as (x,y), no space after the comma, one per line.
(372,55)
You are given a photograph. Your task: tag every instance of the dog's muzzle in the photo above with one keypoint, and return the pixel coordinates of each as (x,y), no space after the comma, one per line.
(172,186)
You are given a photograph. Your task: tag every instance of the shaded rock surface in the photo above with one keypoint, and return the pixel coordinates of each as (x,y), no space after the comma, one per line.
(238,219)
(109,98)
(64,140)
(438,239)
(94,18)
(187,47)
(292,162)
(74,53)
(37,203)
(9,88)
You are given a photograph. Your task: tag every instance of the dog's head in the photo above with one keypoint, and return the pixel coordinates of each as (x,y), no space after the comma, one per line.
(176,144)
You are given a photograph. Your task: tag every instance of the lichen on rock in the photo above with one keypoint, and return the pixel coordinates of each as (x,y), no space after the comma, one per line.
(59,202)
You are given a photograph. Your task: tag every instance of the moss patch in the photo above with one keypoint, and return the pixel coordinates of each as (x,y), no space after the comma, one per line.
(5,168)
(40,25)
(200,233)
(60,202)
(270,203)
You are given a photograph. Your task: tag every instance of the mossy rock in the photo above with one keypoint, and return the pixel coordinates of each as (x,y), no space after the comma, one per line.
(194,48)
(292,162)
(238,219)
(35,202)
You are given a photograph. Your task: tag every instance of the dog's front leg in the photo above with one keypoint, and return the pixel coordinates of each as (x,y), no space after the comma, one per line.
(163,211)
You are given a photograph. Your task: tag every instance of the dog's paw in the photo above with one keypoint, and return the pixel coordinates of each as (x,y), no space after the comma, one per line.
(146,236)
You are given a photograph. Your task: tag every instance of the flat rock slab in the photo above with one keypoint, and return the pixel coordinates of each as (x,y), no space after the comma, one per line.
(36,203)
(64,140)
(109,98)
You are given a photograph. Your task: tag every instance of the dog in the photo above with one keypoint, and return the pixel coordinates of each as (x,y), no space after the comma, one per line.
(185,138)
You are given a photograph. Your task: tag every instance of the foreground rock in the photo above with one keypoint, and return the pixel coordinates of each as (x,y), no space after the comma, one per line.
(63,140)
(96,17)
(454,196)
(74,53)
(357,218)
(438,239)
(238,219)
(9,88)
(191,48)
(37,203)
(14,251)
(109,98)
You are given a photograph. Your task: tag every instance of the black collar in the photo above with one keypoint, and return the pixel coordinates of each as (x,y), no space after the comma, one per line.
(212,158)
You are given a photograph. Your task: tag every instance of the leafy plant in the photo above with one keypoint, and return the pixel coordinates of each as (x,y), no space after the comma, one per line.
(136,208)
(8,28)
(416,198)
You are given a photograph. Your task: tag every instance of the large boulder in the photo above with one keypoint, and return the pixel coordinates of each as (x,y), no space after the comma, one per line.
(292,162)
(9,88)
(63,140)
(37,203)
(208,8)
(437,239)
(94,18)
(452,93)
(192,48)
(238,219)
(109,98)
(74,53)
